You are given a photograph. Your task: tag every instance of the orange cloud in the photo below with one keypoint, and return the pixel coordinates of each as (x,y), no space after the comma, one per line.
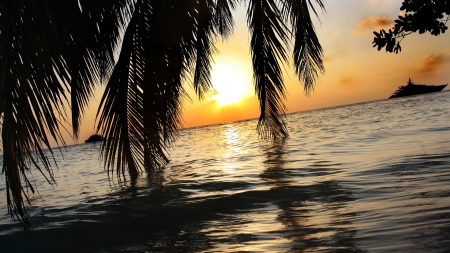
(374,23)
(346,81)
(432,62)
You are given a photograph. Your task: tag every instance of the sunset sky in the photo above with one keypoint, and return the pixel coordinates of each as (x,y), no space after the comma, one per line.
(354,70)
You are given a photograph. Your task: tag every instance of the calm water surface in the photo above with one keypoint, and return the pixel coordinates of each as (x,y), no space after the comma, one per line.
(372,177)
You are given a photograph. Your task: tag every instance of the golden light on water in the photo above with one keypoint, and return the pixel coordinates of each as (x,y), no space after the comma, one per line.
(231,83)
(234,147)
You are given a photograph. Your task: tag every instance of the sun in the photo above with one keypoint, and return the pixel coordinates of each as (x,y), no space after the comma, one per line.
(230,83)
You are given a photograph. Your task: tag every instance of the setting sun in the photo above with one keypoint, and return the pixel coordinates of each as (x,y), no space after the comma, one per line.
(230,83)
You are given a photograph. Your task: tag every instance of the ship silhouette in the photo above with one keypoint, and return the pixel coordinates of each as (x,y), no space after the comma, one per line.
(411,89)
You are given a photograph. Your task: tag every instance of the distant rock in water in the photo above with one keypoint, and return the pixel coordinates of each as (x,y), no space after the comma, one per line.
(411,89)
(94,138)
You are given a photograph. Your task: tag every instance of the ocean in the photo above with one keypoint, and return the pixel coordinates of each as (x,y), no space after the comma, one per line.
(369,177)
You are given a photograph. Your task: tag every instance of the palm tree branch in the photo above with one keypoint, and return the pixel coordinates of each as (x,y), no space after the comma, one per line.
(32,97)
(267,46)
(204,46)
(223,18)
(308,53)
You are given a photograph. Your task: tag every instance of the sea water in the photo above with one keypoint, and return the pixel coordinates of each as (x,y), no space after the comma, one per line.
(370,177)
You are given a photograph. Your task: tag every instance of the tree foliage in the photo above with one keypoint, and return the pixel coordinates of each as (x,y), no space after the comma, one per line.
(421,16)
(53,54)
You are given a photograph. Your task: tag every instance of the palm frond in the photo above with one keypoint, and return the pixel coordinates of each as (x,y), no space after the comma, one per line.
(267,46)
(32,96)
(48,48)
(89,52)
(120,103)
(204,46)
(143,118)
(223,18)
(308,52)
(109,20)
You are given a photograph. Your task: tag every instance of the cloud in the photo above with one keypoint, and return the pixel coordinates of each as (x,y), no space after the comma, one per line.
(374,23)
(432,62)
(346,81)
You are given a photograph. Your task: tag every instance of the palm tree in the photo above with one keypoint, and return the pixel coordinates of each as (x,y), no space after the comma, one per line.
(53,54)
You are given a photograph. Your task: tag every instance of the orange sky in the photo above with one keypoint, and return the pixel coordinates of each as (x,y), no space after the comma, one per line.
(354,70)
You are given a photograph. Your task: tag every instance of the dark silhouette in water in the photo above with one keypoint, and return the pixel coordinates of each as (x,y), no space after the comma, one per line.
(94,138)
(416,89)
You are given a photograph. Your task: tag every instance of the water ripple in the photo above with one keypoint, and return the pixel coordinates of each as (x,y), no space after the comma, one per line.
(371,177)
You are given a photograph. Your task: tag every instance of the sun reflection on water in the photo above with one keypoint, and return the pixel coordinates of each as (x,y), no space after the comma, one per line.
(233,147)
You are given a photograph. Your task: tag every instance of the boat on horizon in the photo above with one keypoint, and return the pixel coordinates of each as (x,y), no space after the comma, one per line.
(411,89)
(94,138)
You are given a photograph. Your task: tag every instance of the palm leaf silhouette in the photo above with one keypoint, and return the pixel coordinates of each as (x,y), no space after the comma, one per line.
(308,53)
(269,36)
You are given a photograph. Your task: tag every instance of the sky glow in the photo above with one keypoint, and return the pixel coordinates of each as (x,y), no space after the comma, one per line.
(354,71)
